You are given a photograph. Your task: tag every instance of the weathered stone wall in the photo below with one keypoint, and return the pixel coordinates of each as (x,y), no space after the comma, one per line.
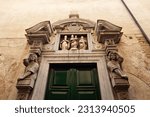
(16,16)
(12,51)
(136,64)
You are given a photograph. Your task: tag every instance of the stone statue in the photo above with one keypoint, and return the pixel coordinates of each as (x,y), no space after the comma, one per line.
(82,43)
(74,42)
(65,44)
(114,64)
(30,74)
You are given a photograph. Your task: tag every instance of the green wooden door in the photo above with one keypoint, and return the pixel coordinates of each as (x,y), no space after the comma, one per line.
(72,82)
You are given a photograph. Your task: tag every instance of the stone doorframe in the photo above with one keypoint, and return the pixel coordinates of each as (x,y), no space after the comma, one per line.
(95,57)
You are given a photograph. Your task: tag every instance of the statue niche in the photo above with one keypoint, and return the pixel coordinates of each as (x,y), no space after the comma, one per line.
(73,42)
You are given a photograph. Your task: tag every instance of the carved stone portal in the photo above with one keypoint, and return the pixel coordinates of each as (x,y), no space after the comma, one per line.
(72,34)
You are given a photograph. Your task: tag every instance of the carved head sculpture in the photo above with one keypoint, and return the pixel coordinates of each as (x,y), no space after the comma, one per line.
(33,57)
(112,55)
(26,62)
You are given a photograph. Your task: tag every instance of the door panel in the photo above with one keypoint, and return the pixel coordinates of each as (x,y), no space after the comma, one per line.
(60,78)
(73,81)
(87,95)
(59,95)
(84,77)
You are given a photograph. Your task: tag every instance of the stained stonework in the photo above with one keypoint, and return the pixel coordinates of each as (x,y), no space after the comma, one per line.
(11,53)
(136,65)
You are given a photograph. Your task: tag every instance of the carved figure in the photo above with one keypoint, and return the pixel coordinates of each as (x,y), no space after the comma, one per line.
(65,44)
(82,43)
(74,42)
(114,64)
(31,67)
(26,82)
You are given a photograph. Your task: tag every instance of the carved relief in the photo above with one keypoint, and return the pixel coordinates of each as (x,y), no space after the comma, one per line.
(27,80)
(73,42)
(119,79)
(114,64)
(37,36)
(31,67)
(72,34)
(82,43)
(74,24)
(65,44)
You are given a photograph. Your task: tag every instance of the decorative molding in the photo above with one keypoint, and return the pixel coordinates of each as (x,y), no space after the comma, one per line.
(107,31)
(56,44)
(74,24)
(41,31)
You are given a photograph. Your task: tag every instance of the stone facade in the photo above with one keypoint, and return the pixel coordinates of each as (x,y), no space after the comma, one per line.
(132,46)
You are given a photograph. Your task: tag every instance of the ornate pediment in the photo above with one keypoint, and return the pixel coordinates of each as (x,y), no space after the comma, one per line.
(41,31)
(74,24)
(42,27)
(108,31)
